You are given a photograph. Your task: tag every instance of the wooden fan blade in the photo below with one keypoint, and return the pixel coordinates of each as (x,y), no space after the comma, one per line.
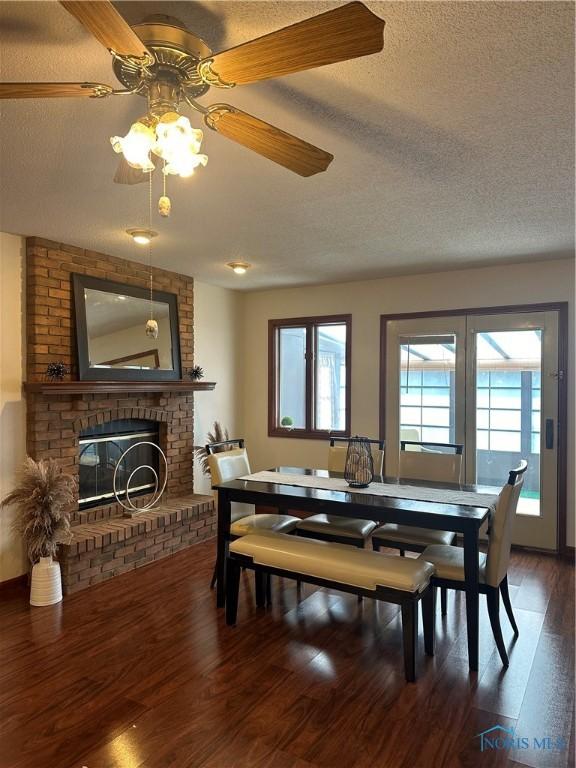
(125,174)
(344,33)
(103,21)
(267,140)
(52,90)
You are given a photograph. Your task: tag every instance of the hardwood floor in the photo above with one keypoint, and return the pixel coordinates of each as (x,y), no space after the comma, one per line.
(141,672)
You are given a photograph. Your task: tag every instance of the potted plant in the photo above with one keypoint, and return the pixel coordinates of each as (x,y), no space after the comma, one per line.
(287,422)
(42,497)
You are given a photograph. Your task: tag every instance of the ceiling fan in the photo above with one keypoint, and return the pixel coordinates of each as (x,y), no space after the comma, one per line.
(163,61)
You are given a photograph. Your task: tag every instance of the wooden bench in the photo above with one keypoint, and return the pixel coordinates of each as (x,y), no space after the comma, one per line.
(392,579)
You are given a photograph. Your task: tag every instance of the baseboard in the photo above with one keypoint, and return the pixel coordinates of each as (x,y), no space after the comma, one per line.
(13,584)
(569,553)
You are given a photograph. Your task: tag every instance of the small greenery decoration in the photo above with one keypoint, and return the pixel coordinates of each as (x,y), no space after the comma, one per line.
(57,371)
(196,373)
(287,421)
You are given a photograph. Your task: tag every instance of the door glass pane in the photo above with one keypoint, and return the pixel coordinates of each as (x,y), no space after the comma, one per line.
(292,377)
(427,388)
(508,365)
(330,382)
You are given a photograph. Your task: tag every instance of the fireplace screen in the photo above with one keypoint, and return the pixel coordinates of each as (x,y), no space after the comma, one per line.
(101,448)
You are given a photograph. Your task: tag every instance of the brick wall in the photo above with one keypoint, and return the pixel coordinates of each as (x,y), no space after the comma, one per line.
(49,310)
(102,550)
(54,423)
(105,543)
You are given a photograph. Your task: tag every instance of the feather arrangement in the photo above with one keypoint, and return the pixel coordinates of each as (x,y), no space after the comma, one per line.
(218,435)
(42,497)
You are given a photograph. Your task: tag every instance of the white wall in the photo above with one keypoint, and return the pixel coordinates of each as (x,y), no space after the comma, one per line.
(216,348)
(12,404)
(515,284)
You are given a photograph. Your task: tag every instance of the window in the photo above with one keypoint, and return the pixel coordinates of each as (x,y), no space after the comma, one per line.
(309,376)
(427,369)
(508,411)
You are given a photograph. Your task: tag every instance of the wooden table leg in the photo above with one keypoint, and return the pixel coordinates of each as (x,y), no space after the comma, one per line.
(224,508)
(471,577)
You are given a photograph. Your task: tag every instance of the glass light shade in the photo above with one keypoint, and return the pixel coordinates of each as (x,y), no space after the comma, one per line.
(178,144)
(141,236)
(184,165)
(136,146)
(239,267)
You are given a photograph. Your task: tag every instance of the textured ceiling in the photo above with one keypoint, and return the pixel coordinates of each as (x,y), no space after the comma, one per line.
(453,147)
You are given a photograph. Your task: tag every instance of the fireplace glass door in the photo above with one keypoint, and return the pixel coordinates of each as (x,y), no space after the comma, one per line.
(101,450)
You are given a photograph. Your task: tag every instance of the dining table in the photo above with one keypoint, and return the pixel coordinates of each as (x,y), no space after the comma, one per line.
(384,501)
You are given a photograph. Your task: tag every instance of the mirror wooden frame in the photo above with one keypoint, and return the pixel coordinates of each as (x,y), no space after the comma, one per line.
(88,373)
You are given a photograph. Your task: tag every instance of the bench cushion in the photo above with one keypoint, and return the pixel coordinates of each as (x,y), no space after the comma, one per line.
(264,522)
(408,534)
(449,562)
(337,526)
(335,562)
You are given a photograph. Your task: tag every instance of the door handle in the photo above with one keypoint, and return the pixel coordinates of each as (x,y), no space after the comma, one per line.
(549,433)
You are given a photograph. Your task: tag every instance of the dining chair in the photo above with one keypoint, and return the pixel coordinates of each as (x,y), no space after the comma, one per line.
(228,460)
(439,462)
(449,560)
(412,435)
(342,530)
(338,450)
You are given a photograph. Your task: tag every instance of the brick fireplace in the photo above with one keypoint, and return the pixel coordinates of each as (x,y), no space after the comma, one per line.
(106,542)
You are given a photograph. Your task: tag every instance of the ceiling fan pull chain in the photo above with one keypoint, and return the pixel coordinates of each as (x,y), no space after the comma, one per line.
(151,324)
(150,242)
(164,203)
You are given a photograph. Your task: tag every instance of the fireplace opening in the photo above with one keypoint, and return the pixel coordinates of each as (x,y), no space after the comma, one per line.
(101,448)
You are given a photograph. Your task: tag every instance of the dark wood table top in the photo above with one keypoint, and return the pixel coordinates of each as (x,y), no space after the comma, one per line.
(370,505)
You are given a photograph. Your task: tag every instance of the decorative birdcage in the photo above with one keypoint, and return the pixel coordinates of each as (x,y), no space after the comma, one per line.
(359,469)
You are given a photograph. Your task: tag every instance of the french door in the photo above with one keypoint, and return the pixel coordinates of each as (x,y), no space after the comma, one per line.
(489,382)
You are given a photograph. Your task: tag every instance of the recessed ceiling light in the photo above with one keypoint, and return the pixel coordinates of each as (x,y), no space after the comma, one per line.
(141,236)
(239,267)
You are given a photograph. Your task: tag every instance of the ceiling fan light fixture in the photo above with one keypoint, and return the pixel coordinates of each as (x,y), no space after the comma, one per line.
(239,267)
(184,166)
(141,236)
(136,146)
(178,144)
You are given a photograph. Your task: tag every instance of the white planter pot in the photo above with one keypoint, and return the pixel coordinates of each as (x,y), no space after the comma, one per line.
(46,587)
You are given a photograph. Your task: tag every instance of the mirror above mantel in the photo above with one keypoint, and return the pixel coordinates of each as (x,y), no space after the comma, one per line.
(111,333)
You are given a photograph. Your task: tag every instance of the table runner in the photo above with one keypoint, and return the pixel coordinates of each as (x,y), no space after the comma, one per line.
(392,490)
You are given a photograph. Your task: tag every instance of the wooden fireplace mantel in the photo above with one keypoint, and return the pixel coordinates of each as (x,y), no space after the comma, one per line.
(112,387)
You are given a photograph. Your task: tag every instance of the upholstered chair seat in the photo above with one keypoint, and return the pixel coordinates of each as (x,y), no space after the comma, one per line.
(449,562)
(410,535)
(336,562)
(263,522)
(336,525)
(343,530)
